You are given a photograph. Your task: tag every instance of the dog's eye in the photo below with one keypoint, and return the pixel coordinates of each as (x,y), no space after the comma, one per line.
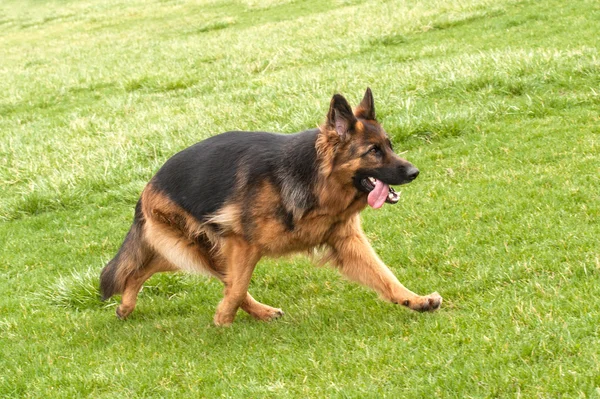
(375,150)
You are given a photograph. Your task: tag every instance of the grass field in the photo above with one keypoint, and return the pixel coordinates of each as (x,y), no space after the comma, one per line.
(497,103)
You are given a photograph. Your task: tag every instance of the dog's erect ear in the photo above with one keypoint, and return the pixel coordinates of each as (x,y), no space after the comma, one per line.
(340,116)
(366,108)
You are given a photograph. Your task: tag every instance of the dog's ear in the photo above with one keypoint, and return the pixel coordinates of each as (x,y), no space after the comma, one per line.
(366,108)
(340,116)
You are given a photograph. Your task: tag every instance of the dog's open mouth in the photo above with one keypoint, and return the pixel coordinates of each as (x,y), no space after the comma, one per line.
(379,192)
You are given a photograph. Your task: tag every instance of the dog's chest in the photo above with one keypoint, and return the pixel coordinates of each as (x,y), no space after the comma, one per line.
(275,236)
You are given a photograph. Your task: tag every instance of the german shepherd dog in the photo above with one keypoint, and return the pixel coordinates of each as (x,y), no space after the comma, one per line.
(220,205)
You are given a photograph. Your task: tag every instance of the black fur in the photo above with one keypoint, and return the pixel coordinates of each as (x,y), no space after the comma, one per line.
(202,177)
(286,217)
(394,174)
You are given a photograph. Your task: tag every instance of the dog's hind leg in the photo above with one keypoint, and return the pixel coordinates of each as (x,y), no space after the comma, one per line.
(239,259)
(134,283)
(232,261)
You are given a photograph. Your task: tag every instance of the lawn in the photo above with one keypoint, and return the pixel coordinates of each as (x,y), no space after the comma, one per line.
(496,102)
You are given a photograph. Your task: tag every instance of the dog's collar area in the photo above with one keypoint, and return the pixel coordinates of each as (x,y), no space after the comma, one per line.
(368,183)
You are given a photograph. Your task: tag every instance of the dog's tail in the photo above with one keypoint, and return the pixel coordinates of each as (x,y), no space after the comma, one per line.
(132,256)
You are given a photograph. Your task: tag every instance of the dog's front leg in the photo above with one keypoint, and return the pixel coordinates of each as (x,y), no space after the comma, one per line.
(357,260)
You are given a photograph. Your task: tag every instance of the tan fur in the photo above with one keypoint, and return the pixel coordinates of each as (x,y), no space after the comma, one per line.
(241,258)
(174,234)
(134,283)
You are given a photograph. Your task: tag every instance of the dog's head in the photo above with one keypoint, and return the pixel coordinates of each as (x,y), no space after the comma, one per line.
(362,149)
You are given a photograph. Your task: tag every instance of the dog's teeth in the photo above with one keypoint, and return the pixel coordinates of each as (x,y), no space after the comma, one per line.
(373,180)
(394,196)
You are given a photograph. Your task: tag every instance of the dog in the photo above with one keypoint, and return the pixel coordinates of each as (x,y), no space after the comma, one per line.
(220,205)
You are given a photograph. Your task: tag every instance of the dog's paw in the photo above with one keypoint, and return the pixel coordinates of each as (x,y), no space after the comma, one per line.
(123,311)
(434,301)
(273,314)
(427,303)
(222,320)
(267,313)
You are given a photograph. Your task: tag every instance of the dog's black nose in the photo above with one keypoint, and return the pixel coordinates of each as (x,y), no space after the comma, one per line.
(412,173)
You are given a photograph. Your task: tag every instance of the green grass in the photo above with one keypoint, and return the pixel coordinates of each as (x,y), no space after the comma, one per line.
(497,102)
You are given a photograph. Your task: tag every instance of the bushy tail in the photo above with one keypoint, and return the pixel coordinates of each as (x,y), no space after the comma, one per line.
(132,256)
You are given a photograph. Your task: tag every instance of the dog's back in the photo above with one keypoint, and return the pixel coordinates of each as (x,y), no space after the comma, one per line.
(204,177)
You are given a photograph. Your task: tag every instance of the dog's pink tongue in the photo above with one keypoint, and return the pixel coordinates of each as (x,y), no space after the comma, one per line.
(378,195)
